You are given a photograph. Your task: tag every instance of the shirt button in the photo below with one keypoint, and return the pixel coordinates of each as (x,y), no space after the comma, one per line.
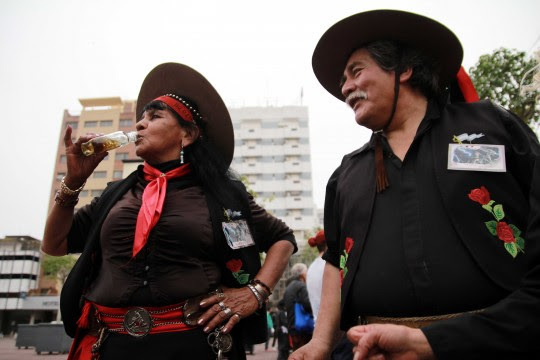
(145,283)
(147,267)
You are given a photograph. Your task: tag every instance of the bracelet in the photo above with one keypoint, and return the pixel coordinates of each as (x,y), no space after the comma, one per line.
(63,202)
(260,300)
(257,281)
(66,190)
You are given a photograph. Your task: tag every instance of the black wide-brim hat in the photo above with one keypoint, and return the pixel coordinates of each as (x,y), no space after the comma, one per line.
(181,80)
(424,34)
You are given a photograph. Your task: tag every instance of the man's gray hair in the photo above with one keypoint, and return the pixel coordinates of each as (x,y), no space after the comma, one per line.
(297,270)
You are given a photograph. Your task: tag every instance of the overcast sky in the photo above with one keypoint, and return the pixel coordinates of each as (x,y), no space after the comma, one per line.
(254,53)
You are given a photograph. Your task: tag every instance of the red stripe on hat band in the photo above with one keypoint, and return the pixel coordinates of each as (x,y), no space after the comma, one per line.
(177,106)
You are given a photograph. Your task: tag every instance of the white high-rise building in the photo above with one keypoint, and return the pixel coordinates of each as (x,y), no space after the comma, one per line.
(272,151)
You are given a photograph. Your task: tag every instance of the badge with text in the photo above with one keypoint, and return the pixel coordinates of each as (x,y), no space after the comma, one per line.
(236,231)
(476,157)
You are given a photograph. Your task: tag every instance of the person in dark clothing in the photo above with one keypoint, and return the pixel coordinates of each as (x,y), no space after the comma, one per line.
(170,265)
(282,332)
(296,292)
(428,257)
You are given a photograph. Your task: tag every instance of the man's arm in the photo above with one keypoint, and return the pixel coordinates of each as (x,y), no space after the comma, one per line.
(327,324)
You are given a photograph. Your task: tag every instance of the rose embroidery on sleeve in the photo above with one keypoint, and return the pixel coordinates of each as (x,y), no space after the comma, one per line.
(349,242)
(235,266)
(509,234)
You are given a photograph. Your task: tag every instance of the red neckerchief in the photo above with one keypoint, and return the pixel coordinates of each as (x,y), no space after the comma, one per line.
(152,202)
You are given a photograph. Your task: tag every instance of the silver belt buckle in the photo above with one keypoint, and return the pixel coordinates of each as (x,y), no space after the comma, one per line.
(138,322)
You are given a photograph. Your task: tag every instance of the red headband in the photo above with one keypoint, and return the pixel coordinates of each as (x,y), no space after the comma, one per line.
(177,106)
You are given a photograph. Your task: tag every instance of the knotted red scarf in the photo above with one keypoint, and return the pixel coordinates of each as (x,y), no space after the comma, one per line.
(152,202)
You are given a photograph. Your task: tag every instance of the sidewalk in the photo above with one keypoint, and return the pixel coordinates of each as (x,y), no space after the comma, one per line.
(8,351)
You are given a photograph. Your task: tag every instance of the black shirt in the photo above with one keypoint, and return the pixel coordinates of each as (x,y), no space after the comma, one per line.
(411,244)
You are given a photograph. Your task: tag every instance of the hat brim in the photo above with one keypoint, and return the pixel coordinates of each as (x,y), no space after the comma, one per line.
(181,80)
(427,35)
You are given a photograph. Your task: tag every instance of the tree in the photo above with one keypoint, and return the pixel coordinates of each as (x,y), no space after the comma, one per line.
(497,77)
(58,267)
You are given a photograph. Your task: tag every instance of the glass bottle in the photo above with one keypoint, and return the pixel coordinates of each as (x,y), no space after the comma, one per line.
(108,142)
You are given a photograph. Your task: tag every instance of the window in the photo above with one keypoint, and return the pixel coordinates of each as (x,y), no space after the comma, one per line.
(105,123)
(63,159)
(121,156)
(90,124)
(126,122)
(60,175)
(100,174)
(84,193)
(73,124)
(117,174)
(97,192)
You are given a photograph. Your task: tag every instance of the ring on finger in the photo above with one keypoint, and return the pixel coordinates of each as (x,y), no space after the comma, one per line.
(237,315)
(227,311)
(222,305)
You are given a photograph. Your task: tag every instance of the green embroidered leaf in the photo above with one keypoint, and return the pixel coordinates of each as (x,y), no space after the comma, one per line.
(520,242)
(492,227)
(491,202)
(342,261)
(498,212)
(515,230)
(242,279)
(487,207)
(344,272)
(511,248)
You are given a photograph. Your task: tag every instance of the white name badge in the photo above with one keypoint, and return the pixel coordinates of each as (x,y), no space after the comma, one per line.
(476,157)
(237,234)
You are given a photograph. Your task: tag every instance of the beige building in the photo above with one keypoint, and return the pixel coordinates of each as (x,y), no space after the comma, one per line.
(100,115)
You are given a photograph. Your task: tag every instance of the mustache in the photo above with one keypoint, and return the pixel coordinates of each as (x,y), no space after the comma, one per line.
(355,95)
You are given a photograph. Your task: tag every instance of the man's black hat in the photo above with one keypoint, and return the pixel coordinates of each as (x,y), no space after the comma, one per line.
(422,33)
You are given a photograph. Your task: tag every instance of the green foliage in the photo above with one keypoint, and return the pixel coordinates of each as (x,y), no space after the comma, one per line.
(58,267)
(497,77)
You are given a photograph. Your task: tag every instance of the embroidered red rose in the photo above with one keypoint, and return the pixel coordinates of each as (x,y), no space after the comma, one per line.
(505,233)
(481,195)
(341,276)
(234,265)
(349,242)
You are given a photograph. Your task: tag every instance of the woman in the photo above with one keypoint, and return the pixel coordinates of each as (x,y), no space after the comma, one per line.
(169,264)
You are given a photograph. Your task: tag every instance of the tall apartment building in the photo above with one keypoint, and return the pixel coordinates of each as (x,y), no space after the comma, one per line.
(272,151)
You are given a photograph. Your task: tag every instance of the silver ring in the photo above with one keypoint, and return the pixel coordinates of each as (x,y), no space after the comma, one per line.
(227,311)
(222,305)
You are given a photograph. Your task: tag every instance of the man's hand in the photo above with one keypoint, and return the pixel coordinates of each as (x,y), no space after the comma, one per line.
(313,350)
(384,341)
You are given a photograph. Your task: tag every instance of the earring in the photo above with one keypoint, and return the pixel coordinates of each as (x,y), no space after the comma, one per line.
(182,153)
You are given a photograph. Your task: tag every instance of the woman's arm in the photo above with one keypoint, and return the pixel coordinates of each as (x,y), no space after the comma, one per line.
(79,168)
(242,301)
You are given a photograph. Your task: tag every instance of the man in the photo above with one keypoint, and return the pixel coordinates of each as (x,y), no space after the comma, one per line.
(439,258)
(296,293)
(315,272)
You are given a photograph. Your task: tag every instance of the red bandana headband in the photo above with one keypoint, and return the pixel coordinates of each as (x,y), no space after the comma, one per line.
(180,106)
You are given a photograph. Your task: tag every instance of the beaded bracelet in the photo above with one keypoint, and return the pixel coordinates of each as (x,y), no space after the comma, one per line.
(260,300)
(66,190)
(71,201)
